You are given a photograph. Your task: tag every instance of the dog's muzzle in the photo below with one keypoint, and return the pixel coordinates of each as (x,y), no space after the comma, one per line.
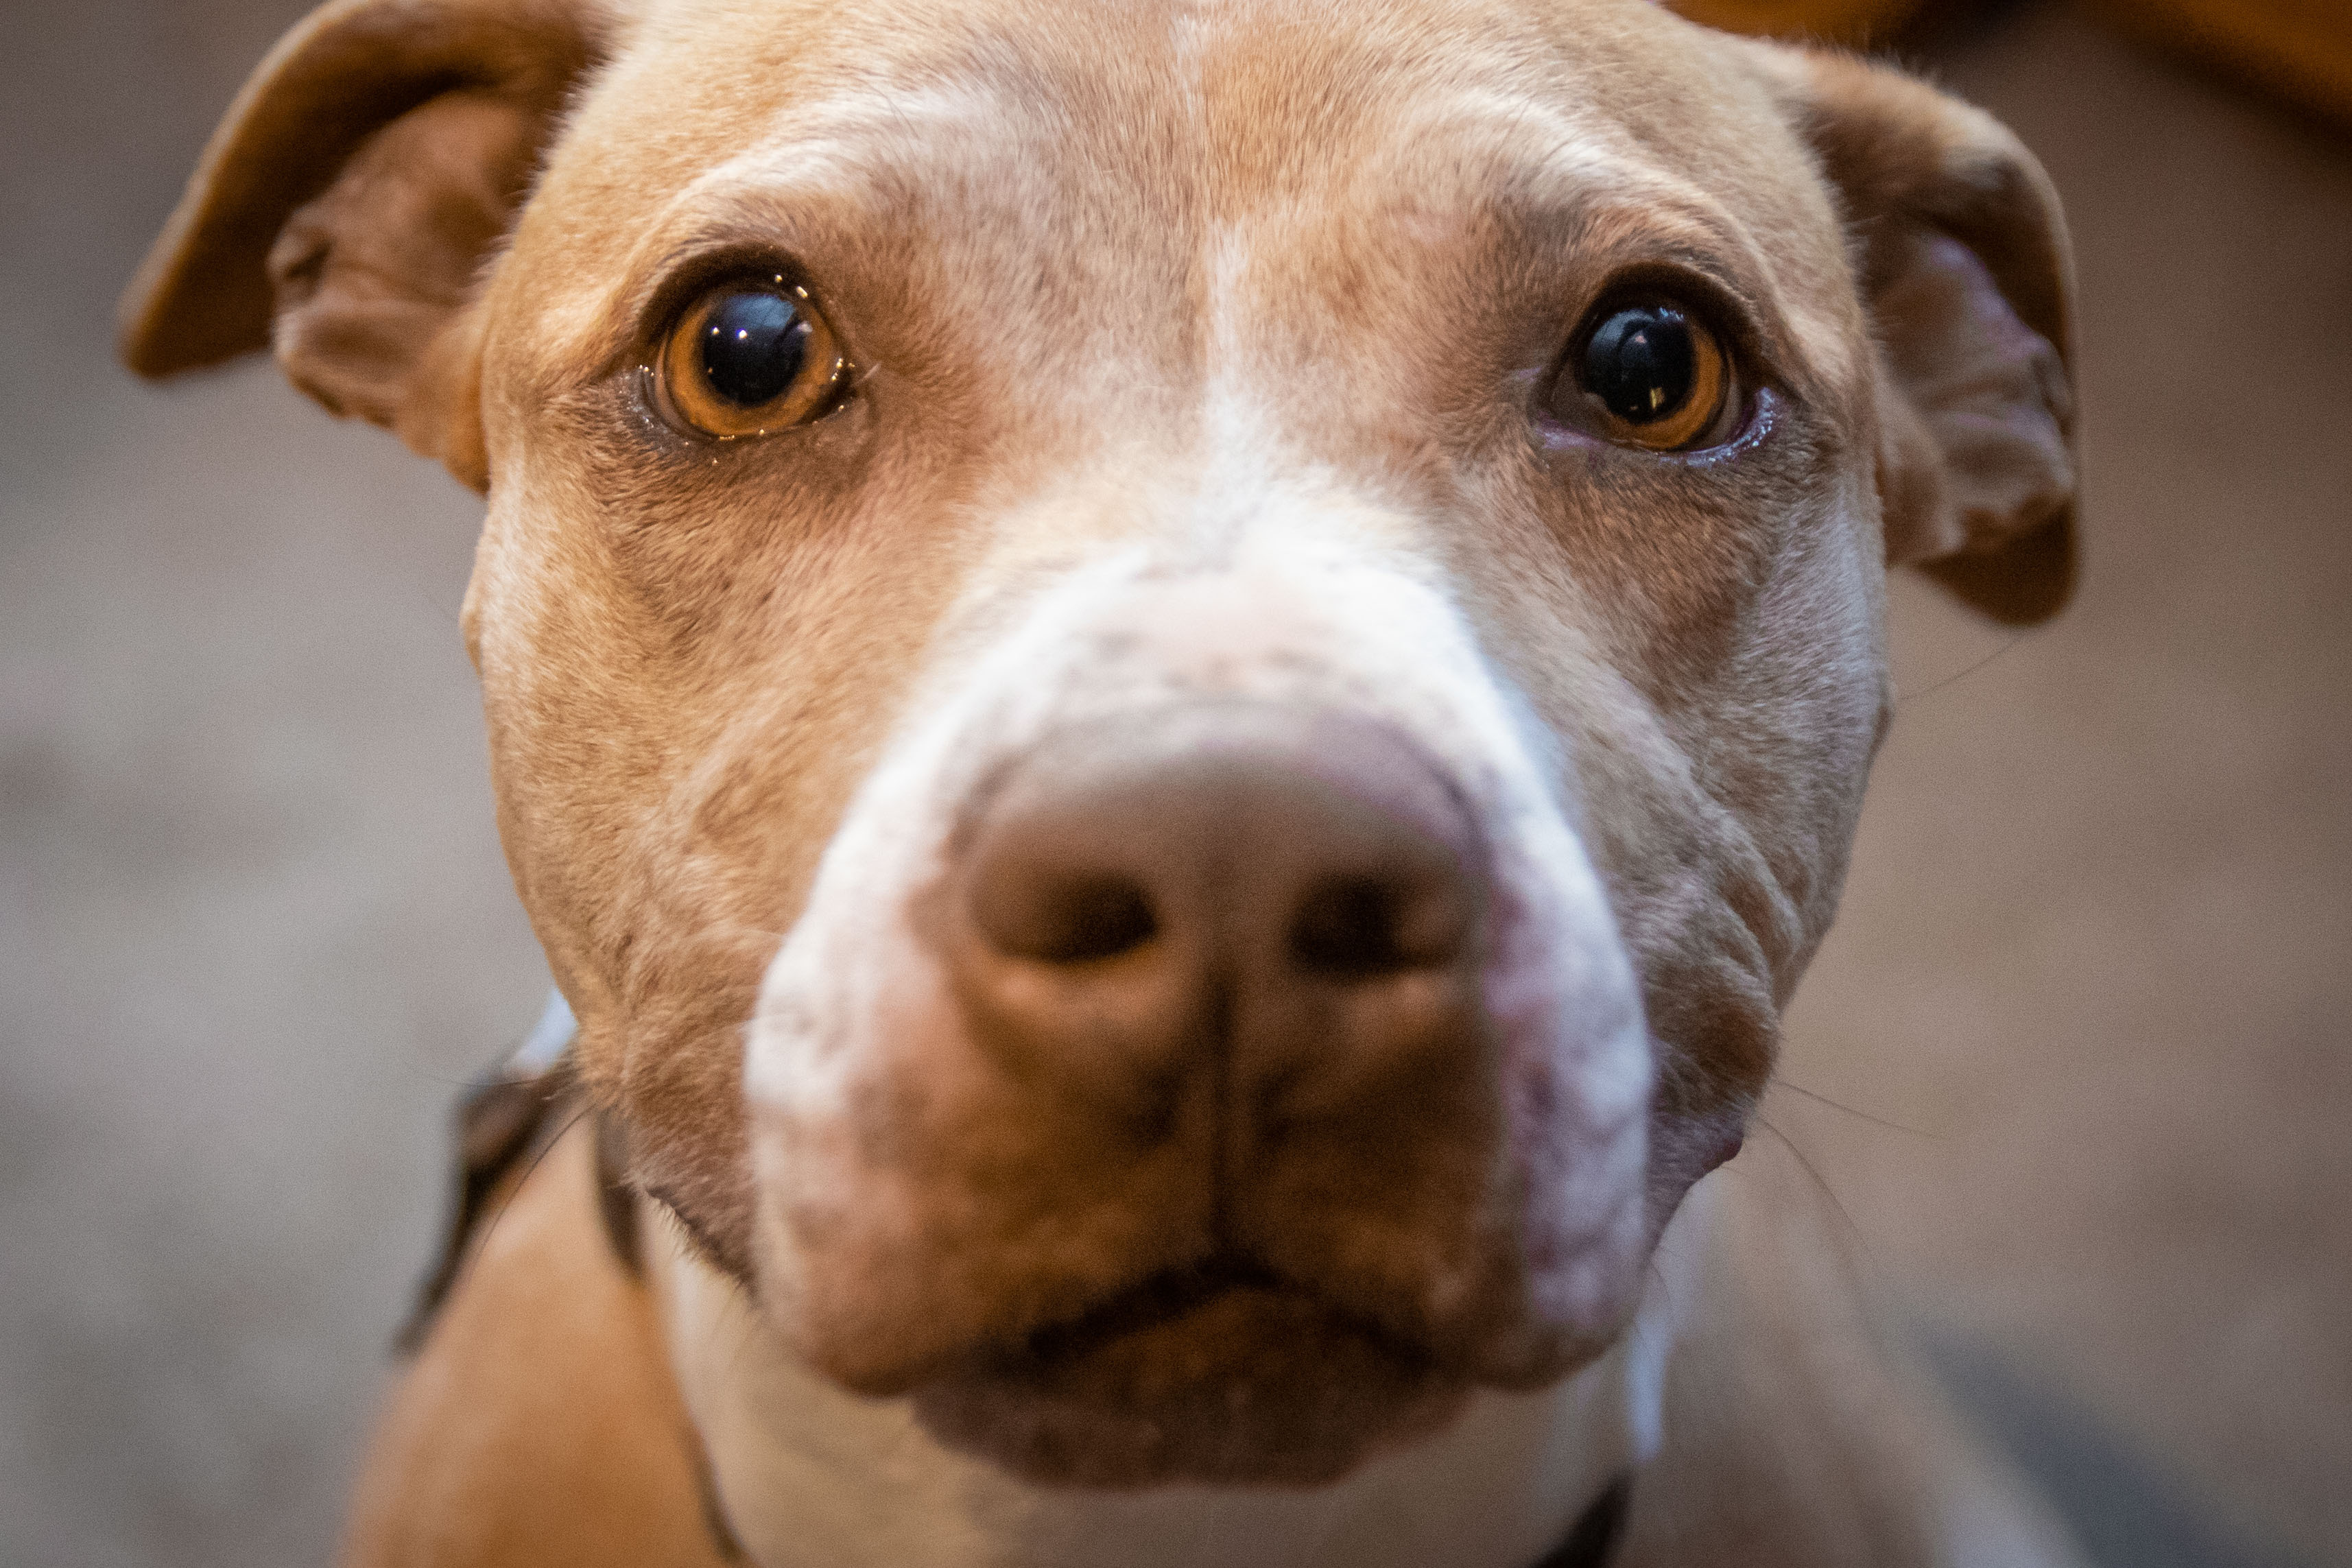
(1178,1074)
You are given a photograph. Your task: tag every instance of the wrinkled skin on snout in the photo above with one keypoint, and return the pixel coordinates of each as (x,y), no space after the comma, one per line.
(1188,875)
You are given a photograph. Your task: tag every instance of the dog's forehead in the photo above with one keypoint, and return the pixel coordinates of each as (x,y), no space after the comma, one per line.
(1280,82)
(1151,134)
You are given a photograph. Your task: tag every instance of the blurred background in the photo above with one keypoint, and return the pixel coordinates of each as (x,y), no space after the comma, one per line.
(2073,1062)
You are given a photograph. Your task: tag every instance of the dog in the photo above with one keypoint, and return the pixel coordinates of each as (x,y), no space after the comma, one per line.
(1178,686)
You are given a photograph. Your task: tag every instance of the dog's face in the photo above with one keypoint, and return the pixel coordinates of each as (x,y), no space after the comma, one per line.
(1176,688)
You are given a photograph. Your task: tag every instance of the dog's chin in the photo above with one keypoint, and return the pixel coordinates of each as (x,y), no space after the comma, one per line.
(1193,1378)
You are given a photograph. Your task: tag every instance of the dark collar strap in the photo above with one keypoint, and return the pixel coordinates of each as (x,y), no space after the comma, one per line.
(1597,1529)
(505,1122)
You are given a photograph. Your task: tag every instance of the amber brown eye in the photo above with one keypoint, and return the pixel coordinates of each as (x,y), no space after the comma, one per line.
(1651,375)
(751,357)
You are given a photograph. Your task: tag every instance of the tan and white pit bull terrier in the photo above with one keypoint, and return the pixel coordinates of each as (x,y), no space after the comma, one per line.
(1178,684)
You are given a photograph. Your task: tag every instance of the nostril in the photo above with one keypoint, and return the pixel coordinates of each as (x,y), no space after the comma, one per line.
(1077,919)
(1361,927)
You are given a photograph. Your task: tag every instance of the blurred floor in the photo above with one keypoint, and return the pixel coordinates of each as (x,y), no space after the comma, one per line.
(2097,944)
(2092,970)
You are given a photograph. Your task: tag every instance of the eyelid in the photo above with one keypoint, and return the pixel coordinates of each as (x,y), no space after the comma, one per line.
(685,276)
(1718,306)
(1563,400)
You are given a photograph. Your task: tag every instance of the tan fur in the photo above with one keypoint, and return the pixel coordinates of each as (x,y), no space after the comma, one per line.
(539,1422)
(1239,294)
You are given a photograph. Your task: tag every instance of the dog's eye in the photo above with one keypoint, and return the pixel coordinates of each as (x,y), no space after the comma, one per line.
(751,357)
(1649,374)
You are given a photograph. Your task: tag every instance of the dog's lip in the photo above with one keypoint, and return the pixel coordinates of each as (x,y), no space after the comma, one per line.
(1223,1373)
(1164,1300)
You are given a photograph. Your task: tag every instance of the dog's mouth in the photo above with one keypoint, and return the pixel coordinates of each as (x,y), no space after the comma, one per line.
(1220,1373)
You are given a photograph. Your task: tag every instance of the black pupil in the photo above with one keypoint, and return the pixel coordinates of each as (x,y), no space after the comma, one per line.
(754,345)
(1642,364)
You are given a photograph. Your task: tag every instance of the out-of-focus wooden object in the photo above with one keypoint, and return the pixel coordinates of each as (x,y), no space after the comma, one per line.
(2299,49)
(1859,22)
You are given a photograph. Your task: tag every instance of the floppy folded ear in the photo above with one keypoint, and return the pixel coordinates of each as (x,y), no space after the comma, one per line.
(344,209)
(1962,255)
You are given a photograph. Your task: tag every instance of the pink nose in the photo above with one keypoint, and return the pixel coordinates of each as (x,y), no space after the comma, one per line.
(1225,919)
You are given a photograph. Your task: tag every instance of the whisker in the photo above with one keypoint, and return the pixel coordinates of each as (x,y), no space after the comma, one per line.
(444,611)
(1789,1143)
(1903,696)
(1849,1110)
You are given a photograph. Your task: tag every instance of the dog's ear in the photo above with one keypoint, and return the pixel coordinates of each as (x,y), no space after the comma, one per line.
(1961,251)
(344,209)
